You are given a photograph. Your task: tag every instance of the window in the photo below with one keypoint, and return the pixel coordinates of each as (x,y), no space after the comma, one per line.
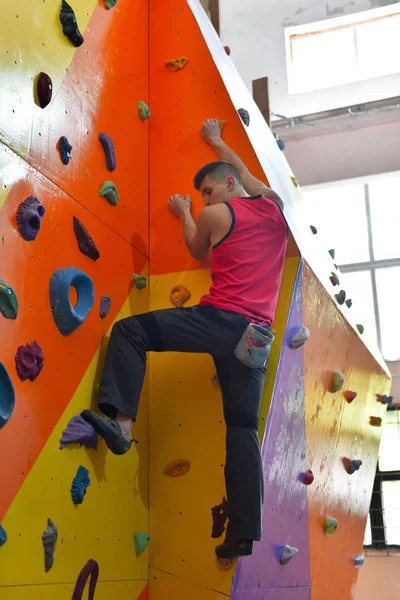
(342,50)
(360,221)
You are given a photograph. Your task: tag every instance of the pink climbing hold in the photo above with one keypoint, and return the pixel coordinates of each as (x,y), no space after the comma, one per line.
(227,50)
(29,361)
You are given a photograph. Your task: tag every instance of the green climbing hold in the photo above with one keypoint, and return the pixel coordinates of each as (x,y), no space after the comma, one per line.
(337,382)
(144,111)
(331,525)
(8,301)
(110,3)
(360,328)
(109,190)
(295,182)
(140,281)
(141,541)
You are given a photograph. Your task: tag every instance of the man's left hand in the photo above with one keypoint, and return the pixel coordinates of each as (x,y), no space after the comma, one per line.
(180,205)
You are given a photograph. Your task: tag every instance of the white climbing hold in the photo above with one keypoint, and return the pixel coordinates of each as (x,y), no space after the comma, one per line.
(300,337)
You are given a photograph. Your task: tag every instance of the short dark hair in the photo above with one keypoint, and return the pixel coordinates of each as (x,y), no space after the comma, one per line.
(218,170)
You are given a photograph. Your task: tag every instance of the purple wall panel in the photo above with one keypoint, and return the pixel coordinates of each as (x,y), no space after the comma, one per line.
(285,518)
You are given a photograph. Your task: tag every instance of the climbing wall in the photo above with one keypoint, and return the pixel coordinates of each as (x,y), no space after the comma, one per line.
(95,88)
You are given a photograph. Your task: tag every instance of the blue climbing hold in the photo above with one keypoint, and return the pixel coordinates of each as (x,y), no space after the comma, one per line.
(359,561)
(80,484)
(3,536)
(68,317)
(7,396)
(65,150)
(281,144)
(387,399)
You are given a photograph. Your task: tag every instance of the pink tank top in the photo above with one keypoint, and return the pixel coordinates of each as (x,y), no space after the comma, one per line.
(247,263)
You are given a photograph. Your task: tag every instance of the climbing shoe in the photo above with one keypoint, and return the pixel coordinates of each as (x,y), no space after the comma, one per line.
(110,431)
(231,549)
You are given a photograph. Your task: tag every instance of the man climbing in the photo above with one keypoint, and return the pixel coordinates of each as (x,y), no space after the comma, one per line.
(242,222)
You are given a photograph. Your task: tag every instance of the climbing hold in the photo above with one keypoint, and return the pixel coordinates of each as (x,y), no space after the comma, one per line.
(29,217)
(334,279)
(7,396)
(141,542)
(349,396)
(349,303)
(214,380)
(8,301)
(244,115)
(331,525)
(105,304)
(176,64)
(44,88)
(386,399)
(144,111)
(90,569)
(79,430)
(219,516)
(80,483)
(109,151)
(49,539)
(300,337)
(287,554)
(140,281)
(375,421)
(179,295)
(341,297)
(314,229)
(354,466)
(308,477)
(65,149)
(332,253)
(66,316)
(337,382)
(222,123)
(85,242)
(69,25)
(177,468)
(295,182)
(225,564)
(109,190)
(360,328)
(3,536)
(359,561)
(282,146)
(29,361)
(227,50)
(110,3)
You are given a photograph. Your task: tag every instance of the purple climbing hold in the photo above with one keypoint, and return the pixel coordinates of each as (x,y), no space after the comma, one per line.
(29,218)
(85,242)
(108,147)
(65,149)
(29,361)
(79,431)
(44,89)
(105,304)
(387,399)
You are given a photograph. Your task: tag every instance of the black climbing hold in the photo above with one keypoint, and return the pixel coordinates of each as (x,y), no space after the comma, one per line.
(85,242)
(7,396)
(105,304)
(49,539)
(65,149)
(349,303)
(244,115)
(110,3)
(332,253)
(3,536)
(8,301)
(354,466)
(108,147)
(219,516)
(314,229)
(29,361)
(109,190)
(68,317)
(144,111)
(29,218)
(341,297)
(44,89)
(69,24)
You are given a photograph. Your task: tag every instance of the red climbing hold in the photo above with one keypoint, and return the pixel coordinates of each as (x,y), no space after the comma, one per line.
(308,477)
(349,396)
(227,50)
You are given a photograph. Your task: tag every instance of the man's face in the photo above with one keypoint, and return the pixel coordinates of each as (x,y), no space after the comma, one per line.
(215,192)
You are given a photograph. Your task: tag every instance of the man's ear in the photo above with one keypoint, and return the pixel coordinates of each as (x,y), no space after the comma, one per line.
(231,182)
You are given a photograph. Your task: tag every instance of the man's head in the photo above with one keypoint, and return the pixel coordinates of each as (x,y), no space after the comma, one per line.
(218,182)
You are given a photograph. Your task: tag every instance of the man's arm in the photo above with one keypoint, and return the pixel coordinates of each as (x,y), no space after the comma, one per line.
(211,134)
(197,235)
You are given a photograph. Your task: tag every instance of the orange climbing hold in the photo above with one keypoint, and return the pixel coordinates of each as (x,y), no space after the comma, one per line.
(179,295)
(176,64)
(177,468)
(222,123)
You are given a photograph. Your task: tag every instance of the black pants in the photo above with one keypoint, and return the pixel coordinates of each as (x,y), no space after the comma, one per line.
(205,330)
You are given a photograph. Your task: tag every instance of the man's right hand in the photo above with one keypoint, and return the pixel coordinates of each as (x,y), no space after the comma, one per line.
(211,132)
